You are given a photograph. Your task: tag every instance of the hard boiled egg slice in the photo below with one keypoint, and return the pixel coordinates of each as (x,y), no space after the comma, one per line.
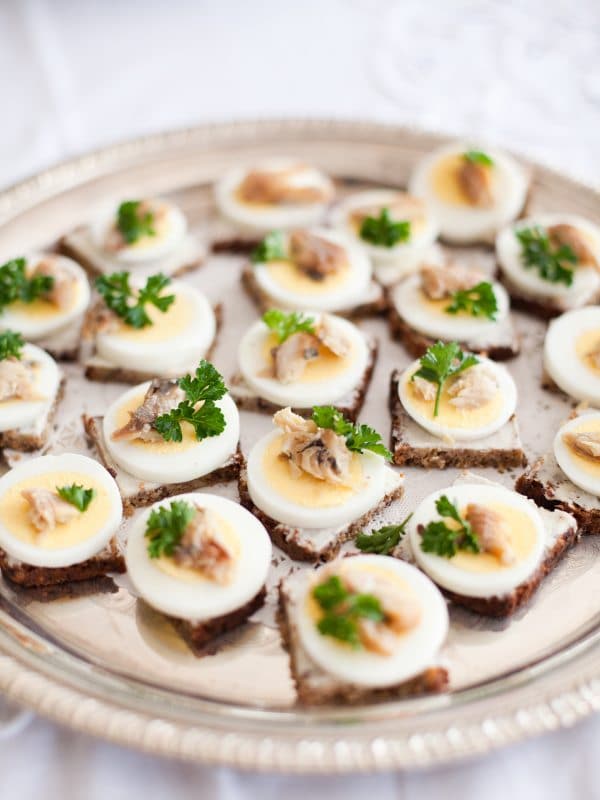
(20,413)
(325,379)
(186,593)
(416,649)
(572,353)
(45,316)
(575,446)
(456,421)
(306,501)
(586,279)
(306,204)
(177,339)
(437,180)
(71,542)
(169,462)
(482,574)
(291,288)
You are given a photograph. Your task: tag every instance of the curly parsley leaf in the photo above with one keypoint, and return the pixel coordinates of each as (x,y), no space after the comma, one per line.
(76,495)
(437,537)
(206,384)
(358,437)
(165,527)
(383,230)
(383,540)
(285,325)
(11,344)
(128,303)
(133,222)
(440,362)
(479,301)
(537,252)
(342,609)
(15,285)
(478,157)
(272,248)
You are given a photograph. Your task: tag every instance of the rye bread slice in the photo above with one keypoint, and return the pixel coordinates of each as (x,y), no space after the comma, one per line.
(543,307)
(137,493)
(411,444)
(35,436)
(64,345)
(350,404)
(317,544)
(315,686)
(110,559)
(235,244)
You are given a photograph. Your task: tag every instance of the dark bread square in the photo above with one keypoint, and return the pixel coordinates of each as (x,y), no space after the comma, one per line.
(25,440)
(542,307)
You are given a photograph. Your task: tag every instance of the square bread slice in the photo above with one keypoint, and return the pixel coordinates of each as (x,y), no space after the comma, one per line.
(350,405)
(137,493)
(412,444)
(34,436)
(63,345)
(318,544)
(546,307)
(315,686)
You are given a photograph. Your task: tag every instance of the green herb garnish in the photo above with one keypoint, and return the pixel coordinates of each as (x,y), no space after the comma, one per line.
(537,252)
(438,538)
(11,344)
(342,609)
(383,540)
(15,285)
(272,248)
(358,437)
(285,325)
(440,362)
(478,157)
(479,301)
(129,303)
(383,230)
(165,527)
(76,495)
(132,224)
(205,387)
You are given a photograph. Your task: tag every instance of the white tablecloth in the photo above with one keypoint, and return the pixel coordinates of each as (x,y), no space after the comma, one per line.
(77,75)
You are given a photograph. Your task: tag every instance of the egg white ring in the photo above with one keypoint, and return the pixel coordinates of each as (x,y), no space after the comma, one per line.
(561,361)
(187,347)
(288,512)
(472,584)
(409,302)
(337,298)
(64,556)
(300,394)
(262,219)
(34,329)
(205,600)
(464,223)
(181,465)
(564,458)
(586,279)
(19,414)
(506,385)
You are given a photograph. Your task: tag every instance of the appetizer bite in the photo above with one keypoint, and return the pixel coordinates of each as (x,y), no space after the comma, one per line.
(201,560)
(58,520)
(396,230)
(314,482)
(44,297)
(143,329)
(569,476)
(280,193)
(472,193)
(454,409)
(303,360)
(487,547)
(362,629)
(550,263)
(145,236)
(572,355)
(453,303)
(169,436)
(312,270)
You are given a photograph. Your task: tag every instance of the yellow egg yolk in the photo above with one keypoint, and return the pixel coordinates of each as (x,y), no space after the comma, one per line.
(289,277)
(325,367)
(586,344)
(588,464)
(161,225)
(165,325)
(42,309)
(445,182)
(161,446)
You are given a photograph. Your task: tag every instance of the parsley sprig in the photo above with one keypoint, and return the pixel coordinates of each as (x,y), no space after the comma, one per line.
(165,527)
(11,344)
(478,157)
(438,538)
(272,248)
(441,362)
(132,223)
(76,495)
(342,609)
(285,325)
(383,230)
(537,252)
(128,303)
(358,437)
(383,540)
(207,420)
(15,285)
(479,301)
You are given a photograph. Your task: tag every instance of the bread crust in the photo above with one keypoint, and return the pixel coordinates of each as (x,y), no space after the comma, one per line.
(237,245)
(539,307)
(29,442)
